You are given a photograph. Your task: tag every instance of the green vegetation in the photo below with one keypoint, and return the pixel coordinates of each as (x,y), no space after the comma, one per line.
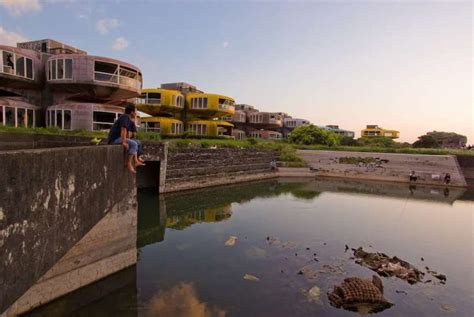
(426,141)
(311,134)
(378,141)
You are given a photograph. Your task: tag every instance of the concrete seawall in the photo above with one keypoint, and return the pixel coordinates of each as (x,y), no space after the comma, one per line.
(191,168)
(430,169)
(50,202)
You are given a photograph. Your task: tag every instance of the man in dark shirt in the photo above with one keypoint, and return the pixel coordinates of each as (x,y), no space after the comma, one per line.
(119,134)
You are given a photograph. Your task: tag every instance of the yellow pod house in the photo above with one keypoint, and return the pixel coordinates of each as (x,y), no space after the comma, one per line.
(209,105)
(158,101)
(375,131)
(166,126)
(212,128)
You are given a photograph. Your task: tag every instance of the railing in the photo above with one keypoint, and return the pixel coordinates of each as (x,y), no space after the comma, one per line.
(223,106)
(153,101)
(8,70)
(117,79)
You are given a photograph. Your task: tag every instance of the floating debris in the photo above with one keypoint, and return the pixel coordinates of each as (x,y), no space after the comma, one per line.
(333,269)
(388,266)
(250,277)
(359,295)
(401,292)
(313,294)
(447,308)
(231,241)
(309,272)
(347,248)
(273,241)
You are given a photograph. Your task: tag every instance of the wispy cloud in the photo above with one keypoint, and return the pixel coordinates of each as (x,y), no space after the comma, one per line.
(18,7)
(10,38)
(103,26)
(120,43)
(225,44)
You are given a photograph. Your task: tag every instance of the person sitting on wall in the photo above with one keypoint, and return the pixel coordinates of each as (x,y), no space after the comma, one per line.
(118,134)
(447,178)
(413,176)
(132,134)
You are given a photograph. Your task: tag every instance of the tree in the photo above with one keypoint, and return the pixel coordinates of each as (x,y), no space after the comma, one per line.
(311,134)
(426,141)
(346,140)
(449,139)
(376,141)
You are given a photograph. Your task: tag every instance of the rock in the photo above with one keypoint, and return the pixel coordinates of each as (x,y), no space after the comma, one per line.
(359,295)
(231,241)
(250,277)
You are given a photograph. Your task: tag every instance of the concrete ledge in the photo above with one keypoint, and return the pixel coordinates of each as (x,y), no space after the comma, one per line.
(187,184)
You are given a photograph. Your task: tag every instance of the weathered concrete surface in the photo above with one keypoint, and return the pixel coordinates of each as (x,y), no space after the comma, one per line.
(192,168)
(49,200)
(155,154)
(430,169)
(466,163)
(107,248)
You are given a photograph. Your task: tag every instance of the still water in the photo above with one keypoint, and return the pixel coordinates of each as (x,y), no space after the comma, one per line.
(185,269)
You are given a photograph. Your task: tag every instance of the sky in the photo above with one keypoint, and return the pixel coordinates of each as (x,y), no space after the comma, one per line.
(404,65)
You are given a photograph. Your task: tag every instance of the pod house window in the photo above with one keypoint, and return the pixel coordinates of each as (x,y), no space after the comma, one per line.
(21,117)
(198,129)
(60,69)
(199,103)
(10,116)
(102,120)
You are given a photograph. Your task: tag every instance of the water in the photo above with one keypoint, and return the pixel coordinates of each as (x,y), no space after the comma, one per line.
(184,268)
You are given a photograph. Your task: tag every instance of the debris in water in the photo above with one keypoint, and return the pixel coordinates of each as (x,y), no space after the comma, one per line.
(296,254)
(324,243)
(422,259)
(231,241)
(332,269)
(359,295)
(428,281)
(250,277)
(273,240)
(307,248)
(300,273)
(309,272)
(314,293)
(347,248)
(289,245)
(447,308)
(401,292)
(388,266)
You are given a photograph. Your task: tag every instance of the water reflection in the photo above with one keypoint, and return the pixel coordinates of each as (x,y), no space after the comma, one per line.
(180,301)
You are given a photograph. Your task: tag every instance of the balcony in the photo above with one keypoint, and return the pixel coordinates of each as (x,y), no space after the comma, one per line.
(93,77)
(159,101)
(265,120)
(209,105)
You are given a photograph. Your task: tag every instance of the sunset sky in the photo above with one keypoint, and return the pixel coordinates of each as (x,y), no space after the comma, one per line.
(404,65)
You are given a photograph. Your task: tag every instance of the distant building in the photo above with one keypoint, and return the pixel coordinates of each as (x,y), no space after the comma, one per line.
(335,129)
(375,130)
(179,107)
(48,83)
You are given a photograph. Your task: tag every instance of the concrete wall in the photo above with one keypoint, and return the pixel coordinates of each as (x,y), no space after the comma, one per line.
(49,200)
(466,163)
(191,168)
(20,141)
(394,167)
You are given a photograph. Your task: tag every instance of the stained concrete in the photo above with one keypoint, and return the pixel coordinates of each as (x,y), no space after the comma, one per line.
(430,169)
(49,200)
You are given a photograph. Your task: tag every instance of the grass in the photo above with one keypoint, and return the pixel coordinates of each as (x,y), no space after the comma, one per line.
(287,150)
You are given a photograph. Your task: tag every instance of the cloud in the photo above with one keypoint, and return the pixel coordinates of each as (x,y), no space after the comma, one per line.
(225,44)
(120,43)
(18,7)
(10,38)
(103,26)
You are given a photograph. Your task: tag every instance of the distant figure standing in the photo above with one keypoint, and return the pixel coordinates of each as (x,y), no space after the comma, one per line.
(447,178)
(119,134)
(413,176)
(273,165)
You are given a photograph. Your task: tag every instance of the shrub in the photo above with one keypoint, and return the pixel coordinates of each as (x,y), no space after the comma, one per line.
(426,141)
(311,134)
(376,141)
